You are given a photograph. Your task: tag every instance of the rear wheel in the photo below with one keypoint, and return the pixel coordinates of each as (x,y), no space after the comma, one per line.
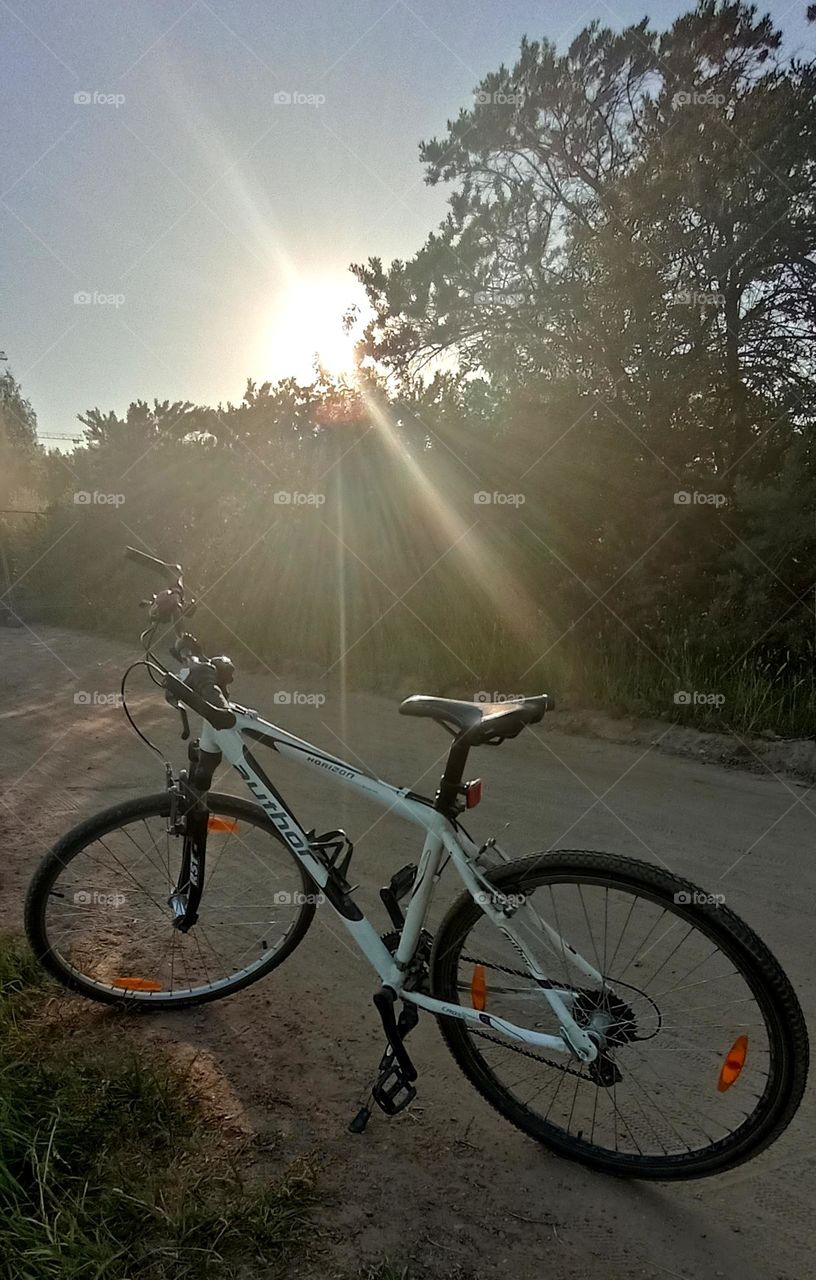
(98,916)
(704,1047)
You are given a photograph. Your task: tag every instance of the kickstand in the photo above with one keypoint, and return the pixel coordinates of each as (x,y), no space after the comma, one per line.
(358,1124)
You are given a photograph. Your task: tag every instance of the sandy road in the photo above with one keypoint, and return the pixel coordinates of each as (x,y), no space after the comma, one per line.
(449,1184)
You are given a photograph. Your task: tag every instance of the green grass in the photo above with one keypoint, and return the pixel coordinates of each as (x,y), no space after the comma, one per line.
(109,1167)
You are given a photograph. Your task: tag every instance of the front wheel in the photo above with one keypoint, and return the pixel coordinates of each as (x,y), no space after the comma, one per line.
(98,913)
(704,1050)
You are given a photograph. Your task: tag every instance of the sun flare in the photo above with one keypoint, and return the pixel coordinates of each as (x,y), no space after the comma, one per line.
(308,325)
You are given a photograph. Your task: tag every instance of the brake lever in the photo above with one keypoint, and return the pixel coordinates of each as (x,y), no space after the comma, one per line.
(185,646)
(182,710)
(185,723)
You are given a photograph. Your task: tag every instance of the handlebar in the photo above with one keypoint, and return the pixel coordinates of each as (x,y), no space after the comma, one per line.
(220,717)
(170,572)
(169,606)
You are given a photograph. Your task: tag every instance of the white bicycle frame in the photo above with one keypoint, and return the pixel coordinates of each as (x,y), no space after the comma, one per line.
(442,837)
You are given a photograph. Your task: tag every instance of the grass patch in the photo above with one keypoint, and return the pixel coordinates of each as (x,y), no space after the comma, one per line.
(108,1164)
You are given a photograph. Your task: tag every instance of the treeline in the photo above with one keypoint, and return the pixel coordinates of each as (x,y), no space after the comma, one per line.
(609,492)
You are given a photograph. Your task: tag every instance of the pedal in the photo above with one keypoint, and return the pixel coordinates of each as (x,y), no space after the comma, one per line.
(393,1089)
(392,1092)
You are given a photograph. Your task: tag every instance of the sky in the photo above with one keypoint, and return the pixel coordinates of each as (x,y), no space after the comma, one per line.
(184,185)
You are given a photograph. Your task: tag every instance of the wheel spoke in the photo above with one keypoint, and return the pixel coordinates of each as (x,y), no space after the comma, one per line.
(651,1097)
(108,920)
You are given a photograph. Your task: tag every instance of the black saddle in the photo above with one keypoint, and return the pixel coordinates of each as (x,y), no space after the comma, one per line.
(478,722)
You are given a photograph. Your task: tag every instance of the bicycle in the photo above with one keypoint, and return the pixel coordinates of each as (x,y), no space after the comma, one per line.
(673,1047)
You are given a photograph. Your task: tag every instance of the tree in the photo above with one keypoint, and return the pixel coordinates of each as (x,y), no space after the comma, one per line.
(19,455)
(633,216)
(628,260)
(18,436)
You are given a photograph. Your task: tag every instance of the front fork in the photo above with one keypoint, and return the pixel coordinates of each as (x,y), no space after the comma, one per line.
(189,817)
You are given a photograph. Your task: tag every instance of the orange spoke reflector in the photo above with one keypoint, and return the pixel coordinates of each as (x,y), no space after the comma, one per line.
(478,988)
(222,824)
(734,1062)
(137,984)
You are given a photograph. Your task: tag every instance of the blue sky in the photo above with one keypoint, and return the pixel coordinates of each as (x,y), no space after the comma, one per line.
(205,219)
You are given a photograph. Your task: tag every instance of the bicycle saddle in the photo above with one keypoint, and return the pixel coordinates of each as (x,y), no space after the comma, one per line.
(481,721)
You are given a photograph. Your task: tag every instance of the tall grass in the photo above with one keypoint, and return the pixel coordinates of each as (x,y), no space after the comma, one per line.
(107,1168)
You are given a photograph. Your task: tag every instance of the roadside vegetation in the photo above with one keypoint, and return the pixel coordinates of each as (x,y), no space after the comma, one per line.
(578,454)
(110,1167)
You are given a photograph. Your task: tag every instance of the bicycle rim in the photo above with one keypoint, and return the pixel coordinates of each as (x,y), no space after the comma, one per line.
(687,988)
(100,918)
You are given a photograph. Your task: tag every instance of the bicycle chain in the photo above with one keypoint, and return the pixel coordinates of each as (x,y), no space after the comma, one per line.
(500,968)
(525,1053)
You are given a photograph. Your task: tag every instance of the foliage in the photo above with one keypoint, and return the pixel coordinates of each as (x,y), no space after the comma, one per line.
(611,336)
(18,438)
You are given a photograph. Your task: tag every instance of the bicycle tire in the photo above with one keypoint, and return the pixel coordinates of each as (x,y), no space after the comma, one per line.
(759,969)
(108,821)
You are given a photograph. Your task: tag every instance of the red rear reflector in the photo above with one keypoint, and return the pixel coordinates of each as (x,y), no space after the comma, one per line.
(136,984)
(473,793)
(734,1062)
(221,824)
(478,988)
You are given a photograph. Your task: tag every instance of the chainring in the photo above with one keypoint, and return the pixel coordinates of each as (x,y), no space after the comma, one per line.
(419,970)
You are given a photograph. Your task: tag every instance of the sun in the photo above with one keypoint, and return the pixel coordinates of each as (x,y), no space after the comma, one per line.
(308,324)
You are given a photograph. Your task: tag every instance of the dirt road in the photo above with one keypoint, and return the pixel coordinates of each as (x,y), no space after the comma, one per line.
(447,1185)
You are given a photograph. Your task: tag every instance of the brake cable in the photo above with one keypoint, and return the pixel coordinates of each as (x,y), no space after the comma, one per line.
(142,662)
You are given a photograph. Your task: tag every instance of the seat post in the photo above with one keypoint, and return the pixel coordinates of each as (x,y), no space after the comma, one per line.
(448,799)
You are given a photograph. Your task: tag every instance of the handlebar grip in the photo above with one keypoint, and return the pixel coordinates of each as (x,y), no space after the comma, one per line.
(218,717)
(170,572)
